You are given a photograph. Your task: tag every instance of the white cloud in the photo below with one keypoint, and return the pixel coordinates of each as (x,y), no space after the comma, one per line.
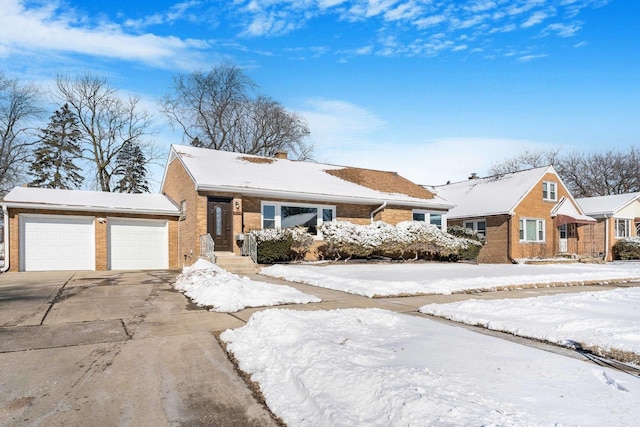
(535,19)
(563,30)
(50,29)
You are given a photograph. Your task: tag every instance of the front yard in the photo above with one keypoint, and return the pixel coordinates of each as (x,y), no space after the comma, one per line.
(376,367)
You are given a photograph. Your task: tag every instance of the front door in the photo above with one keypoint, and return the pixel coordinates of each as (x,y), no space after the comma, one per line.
(220,223)
(563,247)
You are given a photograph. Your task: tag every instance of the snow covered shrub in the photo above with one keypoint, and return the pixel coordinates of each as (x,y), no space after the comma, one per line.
(409,238)
(473,247)
(627,248)
(278,245)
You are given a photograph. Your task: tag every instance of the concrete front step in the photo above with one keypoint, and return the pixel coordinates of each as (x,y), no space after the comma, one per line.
(237,264)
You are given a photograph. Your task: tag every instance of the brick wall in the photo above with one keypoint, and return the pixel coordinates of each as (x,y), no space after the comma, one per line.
(496,248)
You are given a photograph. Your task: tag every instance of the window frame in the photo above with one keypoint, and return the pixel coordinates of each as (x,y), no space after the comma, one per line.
(277,220)
(474,226)
(547,193)
(627,227)
(541,232)
(427,217)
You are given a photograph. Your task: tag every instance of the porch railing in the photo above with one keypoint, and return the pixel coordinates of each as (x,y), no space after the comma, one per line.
(250,247)
(207,247)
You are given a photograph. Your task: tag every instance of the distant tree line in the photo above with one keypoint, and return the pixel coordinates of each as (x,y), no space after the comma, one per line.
(586,174)
(100,139)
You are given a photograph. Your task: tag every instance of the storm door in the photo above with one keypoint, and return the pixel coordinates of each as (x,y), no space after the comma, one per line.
(220,223)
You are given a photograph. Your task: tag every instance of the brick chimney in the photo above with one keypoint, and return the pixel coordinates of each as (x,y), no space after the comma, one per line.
(281,155)
(473,175)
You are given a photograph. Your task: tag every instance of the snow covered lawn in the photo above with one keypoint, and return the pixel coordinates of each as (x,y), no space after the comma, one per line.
(606,322)
(371,279)
(378,368)
(210,286)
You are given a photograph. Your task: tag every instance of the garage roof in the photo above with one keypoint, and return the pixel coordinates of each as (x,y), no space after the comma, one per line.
(80,200)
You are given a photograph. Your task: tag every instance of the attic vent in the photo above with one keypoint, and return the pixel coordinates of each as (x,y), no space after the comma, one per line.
(257,159)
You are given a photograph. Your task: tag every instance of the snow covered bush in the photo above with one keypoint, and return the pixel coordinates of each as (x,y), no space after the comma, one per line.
(472,251)
(627,248)
(278,245)
(407,239)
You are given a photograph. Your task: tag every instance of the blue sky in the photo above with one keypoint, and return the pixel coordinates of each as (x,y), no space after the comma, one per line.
(432,89)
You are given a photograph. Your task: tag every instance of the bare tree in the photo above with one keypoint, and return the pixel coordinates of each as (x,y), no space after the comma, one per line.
(106,120)
(20,106)
(216,110)
(585,174)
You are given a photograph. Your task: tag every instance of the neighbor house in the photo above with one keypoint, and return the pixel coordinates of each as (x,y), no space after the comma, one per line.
(618,217)
(50,229)
(227,194)
(526,214)
(204,192)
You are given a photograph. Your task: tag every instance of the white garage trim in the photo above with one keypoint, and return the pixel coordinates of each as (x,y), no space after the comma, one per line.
(56,242)
(138,244)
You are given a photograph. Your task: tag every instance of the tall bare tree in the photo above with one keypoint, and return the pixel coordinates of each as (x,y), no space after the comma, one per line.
(20,107)
(217,110)
(107,121)
(586,174)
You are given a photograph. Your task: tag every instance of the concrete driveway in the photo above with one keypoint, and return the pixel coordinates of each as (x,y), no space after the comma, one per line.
(114,349)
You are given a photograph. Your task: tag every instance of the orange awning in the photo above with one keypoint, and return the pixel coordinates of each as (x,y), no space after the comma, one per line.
(573,219)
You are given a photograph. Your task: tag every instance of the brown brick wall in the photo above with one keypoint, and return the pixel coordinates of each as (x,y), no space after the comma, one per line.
(495,251)
(101,238)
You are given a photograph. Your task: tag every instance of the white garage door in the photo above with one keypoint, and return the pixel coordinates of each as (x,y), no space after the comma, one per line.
(138,244)
(49,242)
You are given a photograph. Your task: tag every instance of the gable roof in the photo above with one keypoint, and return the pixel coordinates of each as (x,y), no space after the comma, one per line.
(566,212)
(78,200)
(494,195)
(606,205)
(223,171)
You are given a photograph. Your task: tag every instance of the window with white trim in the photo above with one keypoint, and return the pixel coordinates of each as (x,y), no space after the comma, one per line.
(532,230)
(433,218)
(623,228)
(479,226)
(289,215)
(549,191)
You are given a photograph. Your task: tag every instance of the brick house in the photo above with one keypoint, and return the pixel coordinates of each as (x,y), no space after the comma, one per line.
(50,229)
(527,214)
(618,217)
(228,194)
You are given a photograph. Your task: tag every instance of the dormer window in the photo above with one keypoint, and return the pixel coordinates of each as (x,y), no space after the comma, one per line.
(549,191)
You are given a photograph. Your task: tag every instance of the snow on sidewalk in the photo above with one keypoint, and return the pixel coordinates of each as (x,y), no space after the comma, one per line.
(608,321)
(371,279)
(210,286)
(378,368)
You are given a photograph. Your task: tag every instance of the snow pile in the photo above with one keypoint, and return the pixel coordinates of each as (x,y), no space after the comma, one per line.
(413,238)
(608,321)
(210,286)
(445,278)
(378,368)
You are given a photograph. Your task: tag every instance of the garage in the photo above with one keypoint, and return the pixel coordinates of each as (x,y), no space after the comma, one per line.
(138,244)
(52,242)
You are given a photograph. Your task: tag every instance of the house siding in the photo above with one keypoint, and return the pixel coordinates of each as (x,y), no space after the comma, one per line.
(101,234)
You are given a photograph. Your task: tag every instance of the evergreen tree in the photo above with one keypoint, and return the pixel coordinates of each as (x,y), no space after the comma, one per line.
(57,148)
(131,169)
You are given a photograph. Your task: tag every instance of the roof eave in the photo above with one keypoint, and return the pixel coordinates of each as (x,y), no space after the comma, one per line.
(129,210)
(326,198)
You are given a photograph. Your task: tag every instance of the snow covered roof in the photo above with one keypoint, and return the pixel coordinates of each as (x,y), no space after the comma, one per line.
(222,171)
(79,200)
(565,212)
(494,195)
(606,205)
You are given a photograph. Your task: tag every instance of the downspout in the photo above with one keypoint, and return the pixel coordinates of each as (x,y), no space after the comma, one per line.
(375,211)
(5,212)
(606,238)
(509,257)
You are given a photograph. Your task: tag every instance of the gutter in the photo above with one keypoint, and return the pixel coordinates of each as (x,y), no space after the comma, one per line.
(378,209)
(5,267)
(45,206)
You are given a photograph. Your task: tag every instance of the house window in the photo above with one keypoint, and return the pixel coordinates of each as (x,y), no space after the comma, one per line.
(549,191)
(531,230)
(433,218)
(285,215)
(480,227)
(623,227)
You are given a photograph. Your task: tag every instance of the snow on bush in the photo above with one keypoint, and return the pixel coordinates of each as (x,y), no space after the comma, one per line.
(627,248)
(282,244)
(408,238)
